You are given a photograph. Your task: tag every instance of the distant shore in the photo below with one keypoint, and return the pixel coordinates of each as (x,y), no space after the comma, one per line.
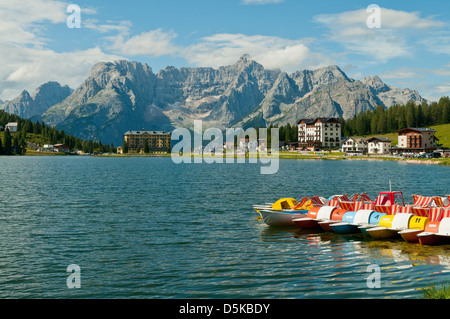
(330,156)
(282,155)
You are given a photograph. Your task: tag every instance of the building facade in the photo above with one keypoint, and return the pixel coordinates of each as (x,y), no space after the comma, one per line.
(12,127)
(157,141)
(62,148)
(319,133)
(355,145)
(379,145)
(417,140)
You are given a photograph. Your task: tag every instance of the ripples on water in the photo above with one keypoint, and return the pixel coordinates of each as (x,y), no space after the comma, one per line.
(147,228)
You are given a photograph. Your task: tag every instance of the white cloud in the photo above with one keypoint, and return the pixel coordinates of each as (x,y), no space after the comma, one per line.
(444,88)
(401,73)
(391,40)
(27,68)
(21,20)
(27,12)
(122,26)
(439,43)
(440,71)
(29,63)
(153,43)
(272,52)
(259,2)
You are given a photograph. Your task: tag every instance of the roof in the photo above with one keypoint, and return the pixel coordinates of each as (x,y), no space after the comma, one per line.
(417,129)
(381,139)
(320,119)
(306,121)
(148,132)
(356,139)
(12,124)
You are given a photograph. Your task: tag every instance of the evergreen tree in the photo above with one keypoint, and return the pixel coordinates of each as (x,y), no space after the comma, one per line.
(287,134)
(294,133)
(435,114)
(444,105)
(146,148)
(8,143)
(382,123)
(23,141)
(401,118)
(125,147)
(419,116)
(410,114)
(16,147)
(1,147)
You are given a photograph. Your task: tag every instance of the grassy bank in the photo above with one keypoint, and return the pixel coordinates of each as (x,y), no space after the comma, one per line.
(443,134)
(329,156)
(282,155)
(440,292)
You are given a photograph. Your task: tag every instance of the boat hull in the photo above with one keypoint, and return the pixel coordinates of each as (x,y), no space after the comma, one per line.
(382,232)
(274,218)
(430,239)
(410,235)
(344,228)
(306,222)
(365,229)
(326,225)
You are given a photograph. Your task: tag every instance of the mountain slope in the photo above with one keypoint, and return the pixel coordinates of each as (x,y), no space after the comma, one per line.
(126,95)
(28,106)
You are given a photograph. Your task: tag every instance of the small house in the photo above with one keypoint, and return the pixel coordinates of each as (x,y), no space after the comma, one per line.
(356,145)
(61,148)
(12,126)
(379,145)
(48,148)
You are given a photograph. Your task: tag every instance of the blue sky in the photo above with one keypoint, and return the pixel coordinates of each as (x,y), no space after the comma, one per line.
(410,49)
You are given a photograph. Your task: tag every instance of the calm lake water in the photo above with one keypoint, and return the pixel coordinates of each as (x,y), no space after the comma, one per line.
(148,228)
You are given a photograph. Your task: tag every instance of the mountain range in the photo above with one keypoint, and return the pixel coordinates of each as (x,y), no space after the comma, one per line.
(127,95)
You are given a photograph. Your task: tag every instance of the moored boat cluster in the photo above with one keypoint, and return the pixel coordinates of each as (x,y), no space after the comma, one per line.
(426,220)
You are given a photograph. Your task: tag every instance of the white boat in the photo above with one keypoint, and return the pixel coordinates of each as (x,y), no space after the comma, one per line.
(280,218)
(390,226)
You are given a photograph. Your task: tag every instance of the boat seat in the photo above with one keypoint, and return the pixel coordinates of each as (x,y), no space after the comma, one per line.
(325,212)
(362,216)
(444,227)
(401,221)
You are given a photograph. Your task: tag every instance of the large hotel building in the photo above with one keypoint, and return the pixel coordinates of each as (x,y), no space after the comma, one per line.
(319,133)
(158,141)
(415,140)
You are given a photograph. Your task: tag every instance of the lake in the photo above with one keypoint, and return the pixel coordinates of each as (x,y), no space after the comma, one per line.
(145,227)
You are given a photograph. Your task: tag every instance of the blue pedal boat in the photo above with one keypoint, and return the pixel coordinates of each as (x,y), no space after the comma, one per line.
(353,221)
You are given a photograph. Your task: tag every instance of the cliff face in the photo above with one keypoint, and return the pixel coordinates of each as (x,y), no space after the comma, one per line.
(28,106)
(125,95)
(326,92)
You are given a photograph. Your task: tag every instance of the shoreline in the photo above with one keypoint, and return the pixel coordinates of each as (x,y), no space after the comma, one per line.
(295,156)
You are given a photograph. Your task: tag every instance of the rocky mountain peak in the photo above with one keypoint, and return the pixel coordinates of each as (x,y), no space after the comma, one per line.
(34,105)
(125,95)
(376,83)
